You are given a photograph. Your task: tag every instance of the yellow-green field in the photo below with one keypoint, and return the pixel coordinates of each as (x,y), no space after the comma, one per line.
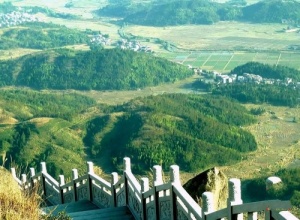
(222,36)
(224,61)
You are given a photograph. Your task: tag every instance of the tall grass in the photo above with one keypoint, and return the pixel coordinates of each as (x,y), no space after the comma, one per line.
(16,204)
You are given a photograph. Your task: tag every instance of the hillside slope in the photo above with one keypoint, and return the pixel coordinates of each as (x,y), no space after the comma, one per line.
(99,70)
(165,129)
(188,130)
(209,12)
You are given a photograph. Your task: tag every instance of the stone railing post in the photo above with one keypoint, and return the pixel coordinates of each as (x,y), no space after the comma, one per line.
(14,175)
(32,180)
(61,190)
(43,171)
(207,203)
(43,167)
(24,180)
(174,180)
(74,178)
(234,198)
(90,171)
(157,180)
(144,188)
(127,169)
(114,180)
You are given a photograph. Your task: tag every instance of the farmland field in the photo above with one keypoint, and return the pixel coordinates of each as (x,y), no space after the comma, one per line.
(224,61)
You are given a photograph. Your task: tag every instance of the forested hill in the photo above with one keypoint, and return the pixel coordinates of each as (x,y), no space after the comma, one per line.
(273,11)
(267,71)
(113,69)
(206,12)
(192,131)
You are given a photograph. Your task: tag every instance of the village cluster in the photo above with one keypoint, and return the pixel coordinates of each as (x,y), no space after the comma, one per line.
(133,45)
(218,78)
(16,18)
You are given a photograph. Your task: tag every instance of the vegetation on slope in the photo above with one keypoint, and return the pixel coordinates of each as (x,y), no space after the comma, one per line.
(204,12)
(274,94)
(14,203)
(113,69)
(44,131)
(273,11)
(267,71)
(41,36)
(188,130)
(21,205)
(164,129)
(289,189)
(258,93)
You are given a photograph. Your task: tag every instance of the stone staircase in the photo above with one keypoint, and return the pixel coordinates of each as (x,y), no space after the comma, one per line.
(85,210)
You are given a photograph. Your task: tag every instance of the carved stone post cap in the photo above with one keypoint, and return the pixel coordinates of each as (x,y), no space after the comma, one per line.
(127,164)
(157,175)
(144,184)
(90,167)
(234,187)
(24,178)
(43,167)
(61,180)
(13,172)
(74,174)
(32,172)
(114,178)
(208,202)
(174,174)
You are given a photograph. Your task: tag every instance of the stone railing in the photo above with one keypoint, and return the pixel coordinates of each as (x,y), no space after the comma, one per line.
(161,201)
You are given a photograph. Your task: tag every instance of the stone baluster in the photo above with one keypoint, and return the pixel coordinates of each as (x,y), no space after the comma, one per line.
(127,164)
(32,180)
(174,180)
(157,175)
(174,175)
(90,167)
(43,171)
(24,179)
(61,184)
(144,188)
(234,198)
(90,171)
(32,172)
(13,173)
(74,178)
(127,169)
(61,180)
(157,180)
(43,167)
(113,182)
(207,203)
(144,184)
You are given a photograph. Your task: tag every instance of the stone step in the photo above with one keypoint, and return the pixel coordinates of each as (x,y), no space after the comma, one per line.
(83,205)
(85,210)
(118,213)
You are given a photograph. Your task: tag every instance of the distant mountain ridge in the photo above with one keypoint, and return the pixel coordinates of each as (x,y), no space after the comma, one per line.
(208,12)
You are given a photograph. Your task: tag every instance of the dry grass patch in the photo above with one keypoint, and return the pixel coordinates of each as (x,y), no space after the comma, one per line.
(14,204)
(278,144)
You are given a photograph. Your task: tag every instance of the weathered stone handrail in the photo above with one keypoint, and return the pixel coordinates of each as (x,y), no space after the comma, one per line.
(162,201)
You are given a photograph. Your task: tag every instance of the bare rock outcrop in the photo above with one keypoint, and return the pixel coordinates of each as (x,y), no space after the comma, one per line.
(212,180)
